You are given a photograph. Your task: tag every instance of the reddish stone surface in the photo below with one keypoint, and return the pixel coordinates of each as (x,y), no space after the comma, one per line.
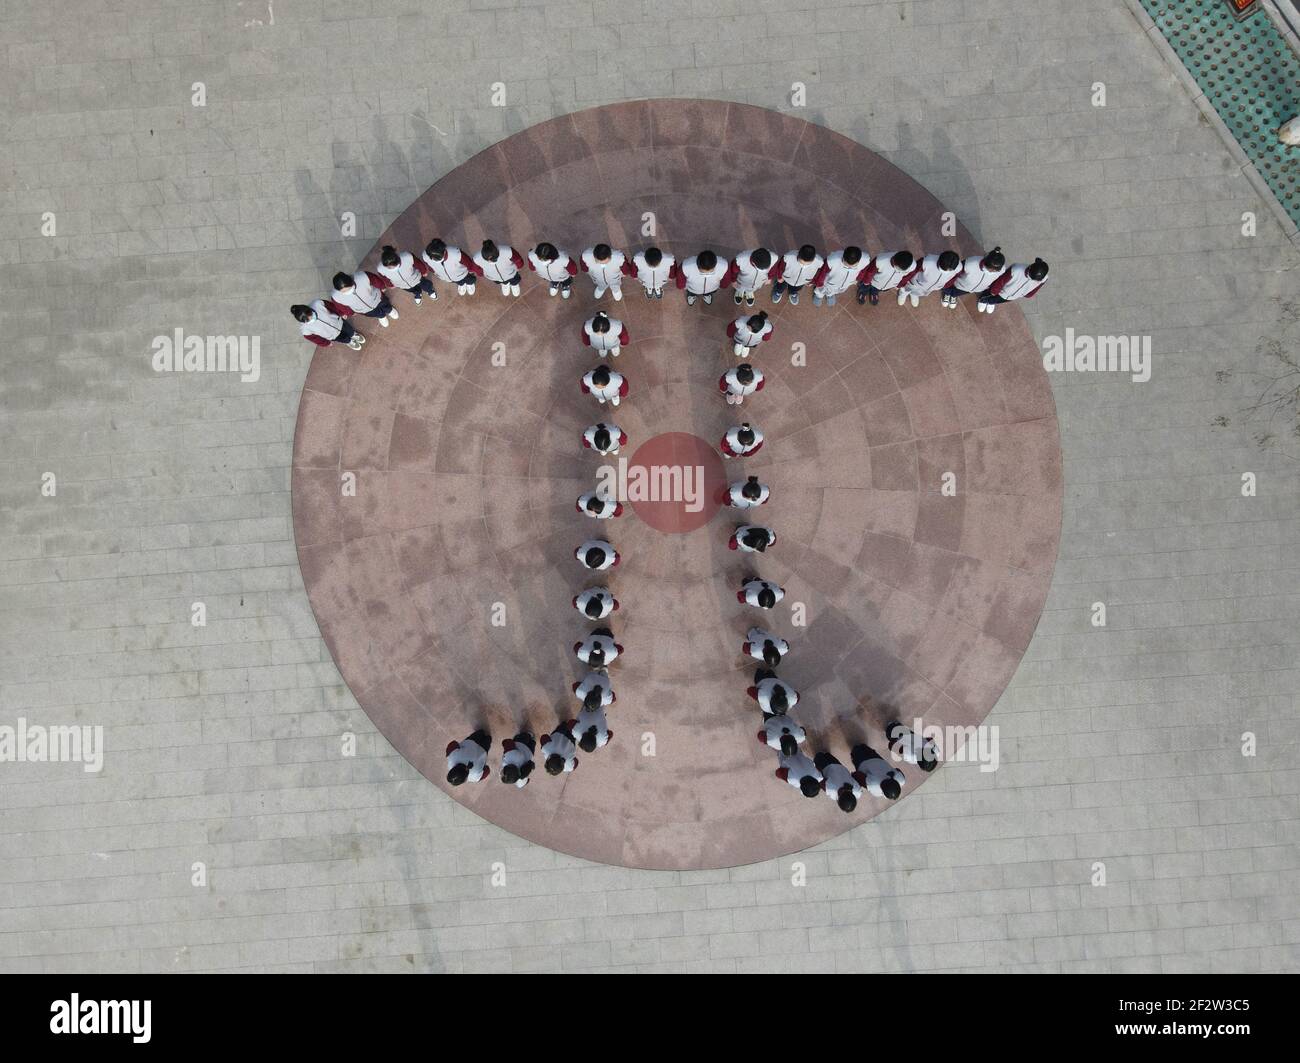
(918,605)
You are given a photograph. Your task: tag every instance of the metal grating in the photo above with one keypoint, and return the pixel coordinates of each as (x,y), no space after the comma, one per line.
(1249,74)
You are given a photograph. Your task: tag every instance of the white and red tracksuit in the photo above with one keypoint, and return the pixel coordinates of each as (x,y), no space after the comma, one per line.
(882,275)
(729,384)
(736,496)
(744,277)
(617,437)
(1016,283)
(326,327)
(694,282)
(596,681)
(612,392)
(605,643)
(604,343)
(608,603)
(560,269)
(504,270)
(607,274)
(749,591)
(792,272)
(367,294)
(928,277)
(732,447)
(408,272)
(974,279)
(737,543)
(454,267)
(606,509)
(611,555)
(741,335)
(836,276)
(653,278)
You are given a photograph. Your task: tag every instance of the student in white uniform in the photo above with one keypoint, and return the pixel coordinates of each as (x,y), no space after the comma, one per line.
(606,268)
(559,752)
(1019,282)
(555,266)
(797,269)
(403,270)
(752,538)
(467,760)
(594,690)
(363,293)
(906,745)
(591,729)
(800,772)
(324,322)
(838,782)
(749,271)
(594,504)
(748,331)
(760,593)
(874,773)
(838,274)
(605,385)
(517,759)
(603,438)
(764,646)
(604,334)
(595,603)
(741,441)
(884,273)
(774,696)
(449,264)
(598,650)
(653,268)
(739,381)
(700,276)
(977,273)
(932,273)
(597,555)
(748,493)
(500,265)
(782,734)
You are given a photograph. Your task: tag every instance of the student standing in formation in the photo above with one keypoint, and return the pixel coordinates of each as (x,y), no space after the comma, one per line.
(747,493)
(597,555)
(931,274)
(741,441)
(603,438)
(739,381)
(556,267)
(450,266)
(605,385)
(606,268)
(774,696)
(500,265)
(884,273)
(764,646)
(906,745)
(323,323)
(604,334)
(838,782)
(800,772)
(595,603)
(1019,282)
(598,650)
(760,593)
(752,538)
(782,734)
(595,690)
(594,504)
(653,268)
(876,775)
(748,273)
(977,273)
(747,332)
(517,759)
(363,293)
(403,270)
(839,273)
(592,729)
(467,760)
(700,276)
(793,270)
(559,753)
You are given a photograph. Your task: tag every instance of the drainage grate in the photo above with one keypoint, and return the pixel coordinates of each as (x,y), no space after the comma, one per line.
(1250,76)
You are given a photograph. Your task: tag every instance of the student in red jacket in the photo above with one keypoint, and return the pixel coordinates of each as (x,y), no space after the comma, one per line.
(363,293)
(500,265)
(1019,282)
(556,267)
(324,323)
(403,270)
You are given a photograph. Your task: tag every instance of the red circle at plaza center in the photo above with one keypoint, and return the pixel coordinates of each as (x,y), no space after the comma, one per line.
(675,482)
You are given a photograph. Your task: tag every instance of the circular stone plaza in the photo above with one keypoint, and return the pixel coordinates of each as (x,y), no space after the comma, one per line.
(912,454)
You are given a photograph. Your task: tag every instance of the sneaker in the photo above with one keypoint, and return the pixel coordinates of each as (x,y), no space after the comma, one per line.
(384,321)
(554,289)
(708,300)
(514,290)
(433,295)
(738,297)
(690,300)
(749,298)
(565,292)
(356,343)
(599,293)
(776,296)
(618,294)
(874,298)
(794,298)
(916,299)
(418,300)
(902,297)
(394,314)
(505,289)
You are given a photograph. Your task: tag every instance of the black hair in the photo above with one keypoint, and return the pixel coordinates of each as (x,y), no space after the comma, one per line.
(343,280)
(388,255)
(745,373)
(596,656)
(757,539)
(554,764)
(771,655)
(852,255)
(653,256)
(809,786)
(745,434)
(600,376)
(458,774)
(602,438)
(760,318)
(778,700)
(891,789)
(807,253)
(591,700)
(593,608)
(594,504)
(788,745)
(600,323)
(302,313)
(902,260)
(927,763)
(845,799)
(1037,270)
(436,249)
(594,557)
(489,251)
(760,258)
(751,488)
(766,598)
(602,251)
(546,252)
(949,260)
(509,773)
(705,261)
(995,259)
(587,741)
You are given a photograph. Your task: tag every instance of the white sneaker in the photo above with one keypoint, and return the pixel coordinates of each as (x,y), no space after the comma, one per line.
(554,291)
(418,300)
(902,297)
(384,321)
(433,294)
(690,300)
(618,294)
(613,351)
(599,292)
(565,292)
(708,300)
(505,289)
(514,290)
(614,401)
(916,299)
(394,315)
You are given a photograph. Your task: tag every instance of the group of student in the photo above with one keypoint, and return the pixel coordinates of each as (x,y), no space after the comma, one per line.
(701,277)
